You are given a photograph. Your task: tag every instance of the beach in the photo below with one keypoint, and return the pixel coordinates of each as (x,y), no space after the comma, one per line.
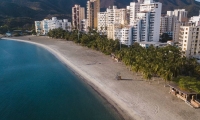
(133,97)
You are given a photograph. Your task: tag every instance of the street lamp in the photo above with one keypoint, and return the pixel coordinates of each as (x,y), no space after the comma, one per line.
(120,44)
(78,35)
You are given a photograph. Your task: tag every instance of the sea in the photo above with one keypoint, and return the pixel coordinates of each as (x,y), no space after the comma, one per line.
(35,85)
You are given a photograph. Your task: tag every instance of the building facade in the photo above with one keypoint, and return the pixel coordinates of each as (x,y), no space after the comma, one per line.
(195,20)
(113,15)
(167,24)
(78,14)
(146,26)
(180,14)
(116,16)
(102,22)
(93,7)
(44,26)
(84,26)
(178,18)
(111,30)
(134,9)
(124,35)
(189,40)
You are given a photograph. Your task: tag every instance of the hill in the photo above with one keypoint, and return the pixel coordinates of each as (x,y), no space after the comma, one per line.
(64,6)
(30,10)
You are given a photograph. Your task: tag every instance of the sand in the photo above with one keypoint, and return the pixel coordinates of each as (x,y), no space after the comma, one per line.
(133,97)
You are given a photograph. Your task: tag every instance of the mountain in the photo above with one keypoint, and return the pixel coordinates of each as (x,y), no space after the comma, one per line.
(42,8)
(30,10)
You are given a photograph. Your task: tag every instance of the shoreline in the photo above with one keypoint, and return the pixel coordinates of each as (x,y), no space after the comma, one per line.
(99,92)
(133,99)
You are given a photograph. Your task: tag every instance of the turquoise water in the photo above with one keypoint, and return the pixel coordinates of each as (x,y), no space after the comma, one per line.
(34,85)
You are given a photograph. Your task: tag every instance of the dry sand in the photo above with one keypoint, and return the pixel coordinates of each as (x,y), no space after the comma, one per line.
(133,97)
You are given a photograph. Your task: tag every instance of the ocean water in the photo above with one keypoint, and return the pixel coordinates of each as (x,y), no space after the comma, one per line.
(35,85)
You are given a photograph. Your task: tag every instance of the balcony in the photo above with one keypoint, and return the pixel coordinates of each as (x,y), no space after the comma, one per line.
(181,29)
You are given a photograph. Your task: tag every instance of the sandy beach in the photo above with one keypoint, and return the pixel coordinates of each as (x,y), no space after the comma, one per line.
(133,98)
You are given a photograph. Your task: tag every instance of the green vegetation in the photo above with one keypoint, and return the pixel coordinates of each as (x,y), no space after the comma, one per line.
(11,24)
(188,83)
(91,40)
(165,62)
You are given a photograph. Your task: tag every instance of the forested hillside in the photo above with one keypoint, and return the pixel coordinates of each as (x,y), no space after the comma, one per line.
(24,12)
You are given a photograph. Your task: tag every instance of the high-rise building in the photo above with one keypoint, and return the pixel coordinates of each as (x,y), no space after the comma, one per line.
(102,23)
(195,20)
(78,14)
(144,19)
(146,26)
(180,14)
(134,9)
(176,31)
(93,7)
(128,14)
(116,16)
(189,39)
(113,15)
(167,25)
(179,18)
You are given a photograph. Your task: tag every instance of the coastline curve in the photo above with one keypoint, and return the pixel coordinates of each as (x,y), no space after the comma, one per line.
(119,106)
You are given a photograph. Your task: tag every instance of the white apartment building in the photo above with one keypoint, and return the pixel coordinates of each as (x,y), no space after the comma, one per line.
(84,26)
(78,14)
(134,9)
(54,23)
(179,18)
(102,23)
(124,35)
(115,15)
(180,14)
(190,40)
(66,25)
(195,20)
(146,26)
(44,26)
(111,28)
(144,20)
(120,32)
(128,14)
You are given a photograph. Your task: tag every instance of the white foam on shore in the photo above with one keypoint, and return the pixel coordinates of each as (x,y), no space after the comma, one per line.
(108,93)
